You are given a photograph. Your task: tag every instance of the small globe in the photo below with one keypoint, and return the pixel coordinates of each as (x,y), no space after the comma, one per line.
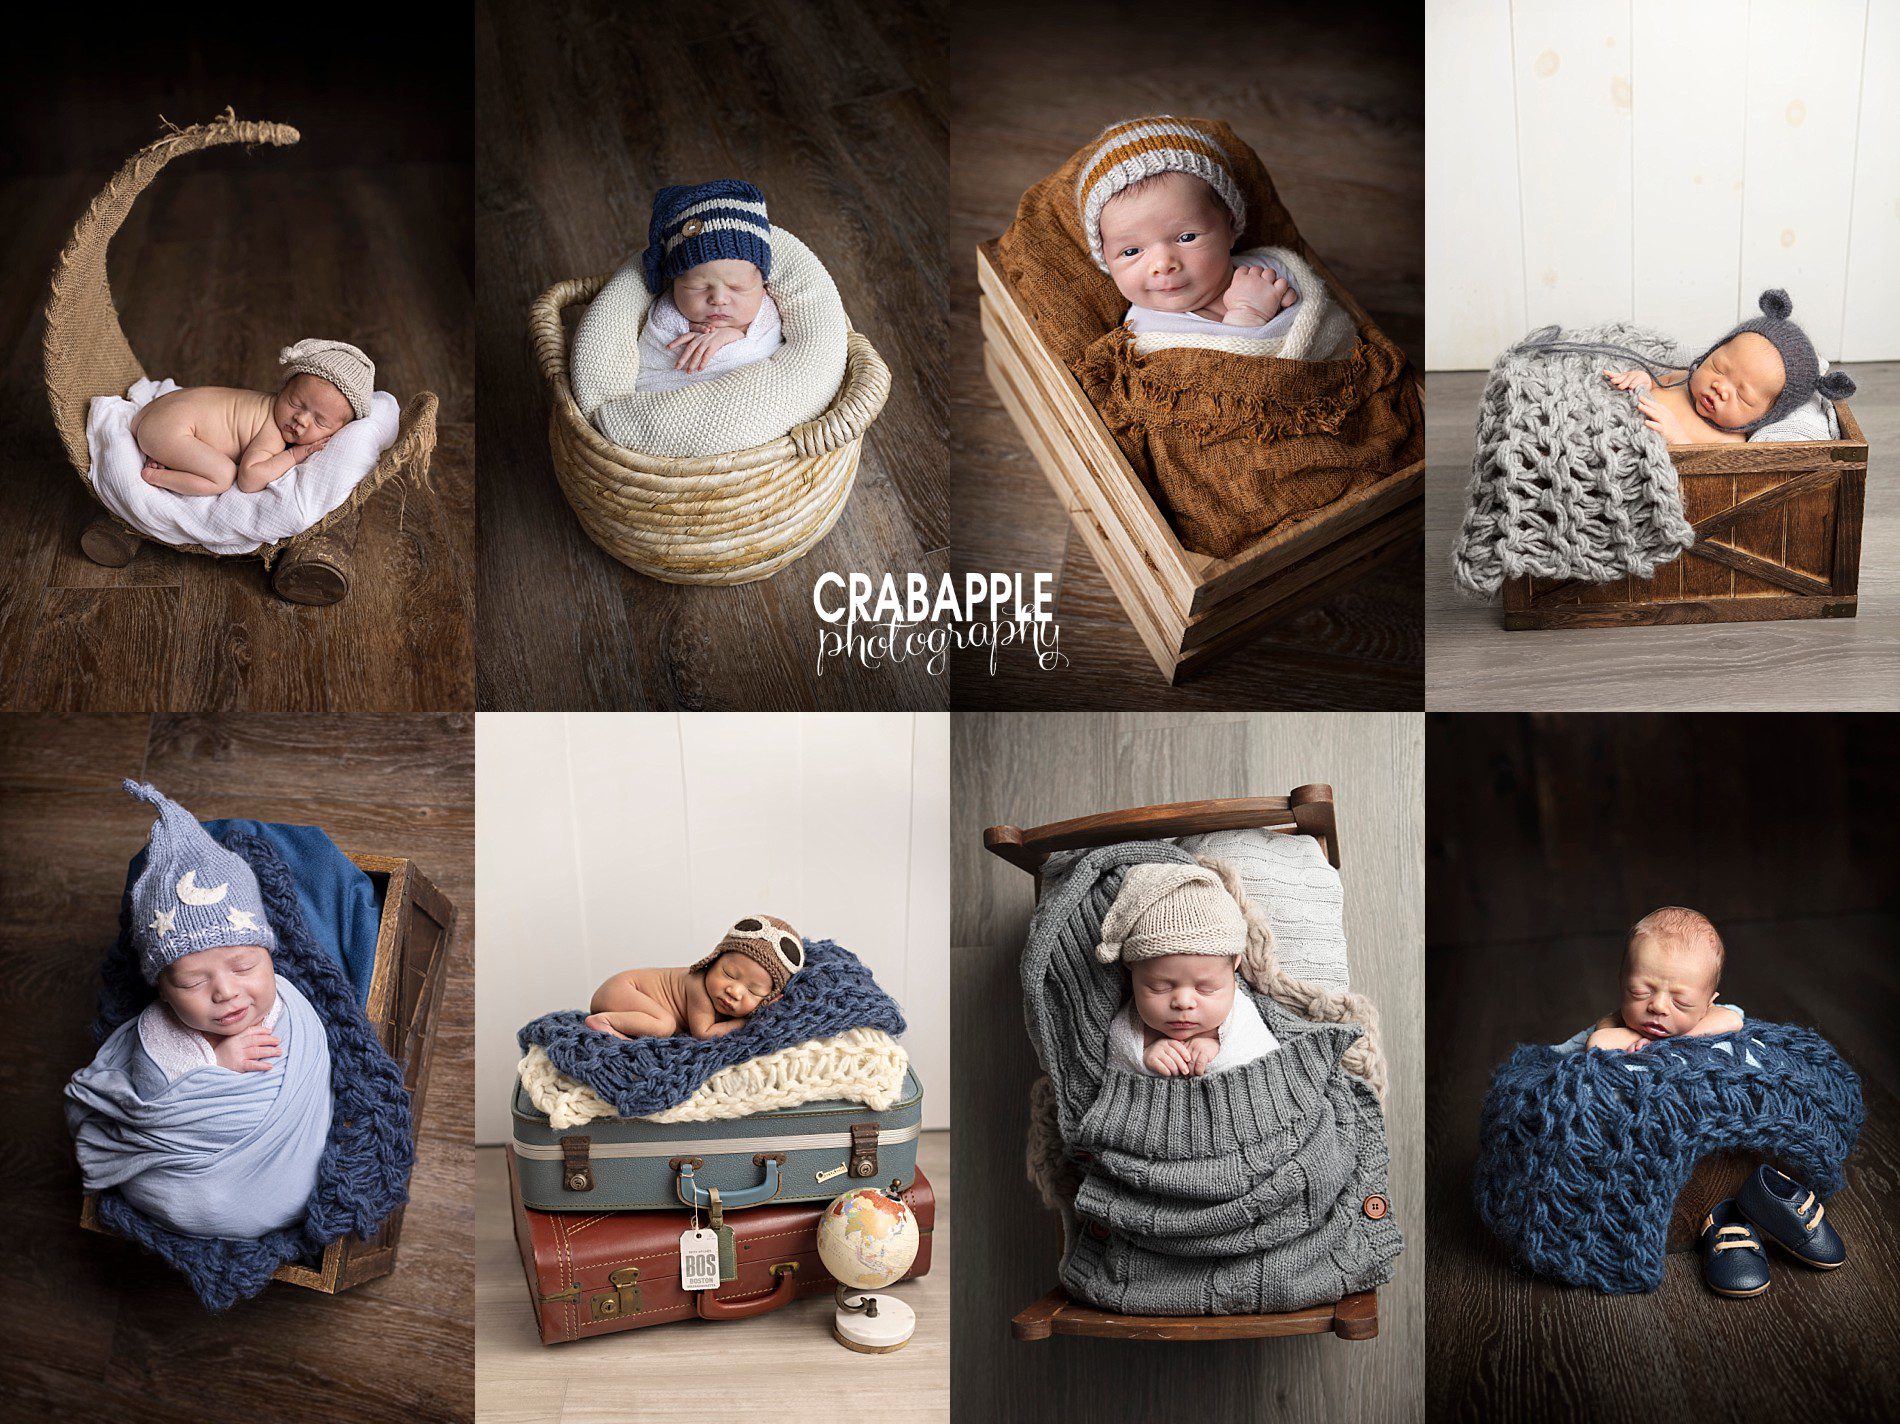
(867,1239)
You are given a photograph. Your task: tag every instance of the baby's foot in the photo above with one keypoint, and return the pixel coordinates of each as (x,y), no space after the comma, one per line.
(598,1022)
(1256,296)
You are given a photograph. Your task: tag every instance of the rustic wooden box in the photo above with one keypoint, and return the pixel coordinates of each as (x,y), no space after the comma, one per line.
(405,994)
(1777,535)
(1188,608)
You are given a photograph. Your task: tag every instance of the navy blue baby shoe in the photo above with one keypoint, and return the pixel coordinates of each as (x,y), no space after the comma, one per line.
(1790,1215)
(1733,1261)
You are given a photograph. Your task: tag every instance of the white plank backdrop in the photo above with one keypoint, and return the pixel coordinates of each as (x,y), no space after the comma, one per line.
(610,840)
(1661,161)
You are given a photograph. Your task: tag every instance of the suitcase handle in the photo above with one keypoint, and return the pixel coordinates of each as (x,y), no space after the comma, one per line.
(691,1193)
(711,1307)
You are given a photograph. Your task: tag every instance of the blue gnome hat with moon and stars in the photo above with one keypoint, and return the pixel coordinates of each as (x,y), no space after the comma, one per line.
(193,893)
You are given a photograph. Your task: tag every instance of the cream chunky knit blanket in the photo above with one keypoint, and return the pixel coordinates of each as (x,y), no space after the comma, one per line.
(1567,482)
(1321,330)
(862,1065)
(747,407)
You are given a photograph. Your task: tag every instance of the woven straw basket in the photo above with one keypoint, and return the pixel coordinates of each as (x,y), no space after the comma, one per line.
(722,519)
(87,354)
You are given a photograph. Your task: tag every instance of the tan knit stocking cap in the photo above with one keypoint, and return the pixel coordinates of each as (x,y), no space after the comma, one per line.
(339,363)
(1169,908)
(1128,152)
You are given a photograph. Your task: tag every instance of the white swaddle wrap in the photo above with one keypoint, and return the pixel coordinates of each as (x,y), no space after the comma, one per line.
(659,368)
(178,1050)
(1315,328)
(1243,1038)
(748,406)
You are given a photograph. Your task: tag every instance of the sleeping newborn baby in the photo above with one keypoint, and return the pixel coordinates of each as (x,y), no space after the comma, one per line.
(708,257)
(1670,971)
(1761,372)
(210,1110)
(203,439)
(746,970)
(1180,934)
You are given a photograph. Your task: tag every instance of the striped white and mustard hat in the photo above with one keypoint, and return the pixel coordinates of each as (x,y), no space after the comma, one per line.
(706,222)
(1126,153)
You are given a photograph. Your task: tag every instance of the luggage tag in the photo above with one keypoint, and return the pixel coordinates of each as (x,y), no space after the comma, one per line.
(728,1250)
(699,1257)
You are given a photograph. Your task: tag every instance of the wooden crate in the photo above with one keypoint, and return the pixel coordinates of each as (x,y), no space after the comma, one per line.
(1777,535)
(405,993)
(1189,609)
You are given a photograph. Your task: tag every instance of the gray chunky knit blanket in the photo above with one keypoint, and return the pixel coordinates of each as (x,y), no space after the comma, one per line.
(1567,482)
(1243,1192)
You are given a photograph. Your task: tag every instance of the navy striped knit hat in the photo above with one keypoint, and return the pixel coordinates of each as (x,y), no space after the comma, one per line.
(706,222)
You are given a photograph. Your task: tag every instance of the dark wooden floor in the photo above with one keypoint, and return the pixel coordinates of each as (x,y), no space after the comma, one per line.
(1334,103)
(1540,855)
(224,260)
(837,111)
(96,1329)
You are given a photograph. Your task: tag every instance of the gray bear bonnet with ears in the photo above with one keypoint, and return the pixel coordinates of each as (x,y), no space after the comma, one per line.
(1803,367)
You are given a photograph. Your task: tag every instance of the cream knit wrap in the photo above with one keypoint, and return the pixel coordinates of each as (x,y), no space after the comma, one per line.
(1166,908)
(750,406)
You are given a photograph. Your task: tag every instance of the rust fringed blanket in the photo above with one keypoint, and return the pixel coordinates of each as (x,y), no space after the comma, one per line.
(1231,447)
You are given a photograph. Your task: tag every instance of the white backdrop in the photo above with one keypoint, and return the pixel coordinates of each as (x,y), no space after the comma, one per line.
(1661,161)
(609,840)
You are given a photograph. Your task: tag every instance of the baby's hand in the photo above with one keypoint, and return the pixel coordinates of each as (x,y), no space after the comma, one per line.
(1617,1039)
(1664,422)
(304,452)
(1630,380)
(1169,1059)
(598,1023)
(252,1051)
(1256,296)
(696,347)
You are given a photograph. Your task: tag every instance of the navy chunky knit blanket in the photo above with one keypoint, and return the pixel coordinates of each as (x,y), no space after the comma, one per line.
(832,993)
(364,1172)
(1581,1155)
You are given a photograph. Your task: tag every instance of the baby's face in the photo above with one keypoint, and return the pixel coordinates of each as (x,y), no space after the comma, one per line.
(1169,244)
(1739,381)
(220,991)
(723,293)
(737,985)
(1668,985)
(309,409)
(1184,995)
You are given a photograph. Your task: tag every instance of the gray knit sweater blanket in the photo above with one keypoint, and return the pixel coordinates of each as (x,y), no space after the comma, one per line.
(1238,1193)
(1567,482)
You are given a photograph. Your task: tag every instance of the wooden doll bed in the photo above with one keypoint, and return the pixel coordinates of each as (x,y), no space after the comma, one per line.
(1306,811)
(405,995)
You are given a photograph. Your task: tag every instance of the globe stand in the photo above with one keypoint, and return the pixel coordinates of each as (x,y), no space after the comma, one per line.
(872,1324)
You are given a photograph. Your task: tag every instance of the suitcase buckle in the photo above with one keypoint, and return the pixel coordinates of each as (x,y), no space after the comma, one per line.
(623,1299)
(577,1173)
(864,1149)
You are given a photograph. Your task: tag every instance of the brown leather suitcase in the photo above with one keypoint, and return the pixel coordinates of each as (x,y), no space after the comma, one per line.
(596,1273)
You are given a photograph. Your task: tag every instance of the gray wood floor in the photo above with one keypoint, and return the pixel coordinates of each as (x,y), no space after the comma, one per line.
(780,1365)
(1846,664)
(1028,769)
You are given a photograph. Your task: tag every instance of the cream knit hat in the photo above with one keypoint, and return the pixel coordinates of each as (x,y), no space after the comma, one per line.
(339,363)
(1165,907)
(1128,152)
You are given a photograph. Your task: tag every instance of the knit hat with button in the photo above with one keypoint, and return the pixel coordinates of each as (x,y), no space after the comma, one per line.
(1126,153)
(696,223)
(1165,907)
(769,943)
(193,894)
(1797,359)
(339,363)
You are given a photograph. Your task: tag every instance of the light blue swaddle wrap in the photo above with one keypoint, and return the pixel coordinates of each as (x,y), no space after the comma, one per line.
(214,1152)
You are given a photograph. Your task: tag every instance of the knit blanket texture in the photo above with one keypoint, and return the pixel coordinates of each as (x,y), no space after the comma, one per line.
(1314,328)
(1238,1193)
(1567,482)
(1231,445)
(1580,1162)
(643,1076)
(860,1065)
(750,406)
(363,1174)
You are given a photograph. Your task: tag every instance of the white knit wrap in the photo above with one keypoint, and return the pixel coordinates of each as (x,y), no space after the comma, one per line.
(1322,329)
(860,1065)
(747,407)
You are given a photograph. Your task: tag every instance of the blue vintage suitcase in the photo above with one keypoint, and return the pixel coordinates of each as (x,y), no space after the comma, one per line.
(808,1153)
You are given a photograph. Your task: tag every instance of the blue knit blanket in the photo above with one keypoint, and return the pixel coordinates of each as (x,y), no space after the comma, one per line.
(832,993)
(1580,1160)
(364,1172)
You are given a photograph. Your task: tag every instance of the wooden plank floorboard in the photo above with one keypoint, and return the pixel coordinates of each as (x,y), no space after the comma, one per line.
(1830,664)
(818,105)
(1341,130)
